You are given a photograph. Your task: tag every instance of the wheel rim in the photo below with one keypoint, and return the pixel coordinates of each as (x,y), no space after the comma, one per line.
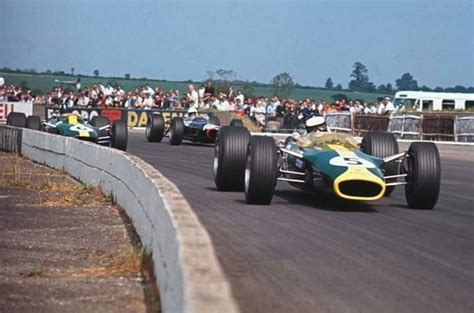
(147,129)
(216,158)
(247,172)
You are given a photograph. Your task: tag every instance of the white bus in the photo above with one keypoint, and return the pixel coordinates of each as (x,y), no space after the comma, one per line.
(434,101)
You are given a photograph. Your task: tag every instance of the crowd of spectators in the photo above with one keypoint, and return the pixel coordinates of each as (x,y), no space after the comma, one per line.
(260,109)
(14,93)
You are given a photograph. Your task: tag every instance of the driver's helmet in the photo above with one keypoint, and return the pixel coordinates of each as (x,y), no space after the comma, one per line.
(315,123)
(192,112)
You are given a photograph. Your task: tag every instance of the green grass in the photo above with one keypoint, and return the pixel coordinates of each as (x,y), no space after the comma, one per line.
(43,83)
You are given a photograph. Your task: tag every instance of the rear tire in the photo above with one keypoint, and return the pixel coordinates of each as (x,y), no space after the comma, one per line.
(155,128)
(230,157)
(261,170)
(176,131)
(236,123)
(381,145)
(33,122)
(424,175)
(16,119)
(214,120)
(119,135)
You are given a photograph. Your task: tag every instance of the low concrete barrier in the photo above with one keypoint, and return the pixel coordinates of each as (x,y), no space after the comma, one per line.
(189,276)
(10,139)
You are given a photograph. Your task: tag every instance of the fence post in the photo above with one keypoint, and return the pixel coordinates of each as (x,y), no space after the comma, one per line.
(455,128)
(421,127)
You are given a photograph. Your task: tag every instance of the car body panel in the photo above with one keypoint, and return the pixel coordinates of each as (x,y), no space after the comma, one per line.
(350,173)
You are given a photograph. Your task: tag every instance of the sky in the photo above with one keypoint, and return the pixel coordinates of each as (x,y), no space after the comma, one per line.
(180,40)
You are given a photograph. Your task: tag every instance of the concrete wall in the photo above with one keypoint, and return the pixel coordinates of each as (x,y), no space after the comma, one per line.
(188,274)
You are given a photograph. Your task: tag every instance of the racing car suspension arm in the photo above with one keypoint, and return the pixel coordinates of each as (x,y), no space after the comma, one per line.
(291,180)
(292,172)
(396,183)
(394,157)
(395,176)
(292,153)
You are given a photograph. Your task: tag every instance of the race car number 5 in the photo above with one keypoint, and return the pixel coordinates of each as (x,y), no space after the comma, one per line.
(351,161)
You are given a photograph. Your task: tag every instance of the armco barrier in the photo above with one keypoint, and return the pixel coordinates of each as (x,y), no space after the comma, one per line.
(10,139)
(189,276)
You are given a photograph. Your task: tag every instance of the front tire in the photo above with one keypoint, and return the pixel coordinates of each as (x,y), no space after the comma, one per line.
(424,175)
(230,157)
(176,131)
(119,135)
(236,123)
(155,128)
(261,170)
(33,122)
(381,145)
(16,119)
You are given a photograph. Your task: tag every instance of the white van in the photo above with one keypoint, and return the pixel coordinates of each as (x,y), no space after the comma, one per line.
(433,101)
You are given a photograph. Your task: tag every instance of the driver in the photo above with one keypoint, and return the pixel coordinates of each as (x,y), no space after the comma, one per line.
(192,113)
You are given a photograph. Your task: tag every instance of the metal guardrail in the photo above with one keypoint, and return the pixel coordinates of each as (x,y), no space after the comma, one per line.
(10,139)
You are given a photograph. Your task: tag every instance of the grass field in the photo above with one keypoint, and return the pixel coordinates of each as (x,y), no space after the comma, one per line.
(43,83)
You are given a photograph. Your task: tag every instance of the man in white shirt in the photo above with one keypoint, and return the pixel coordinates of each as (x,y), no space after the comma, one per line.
(193,97)
(389,108)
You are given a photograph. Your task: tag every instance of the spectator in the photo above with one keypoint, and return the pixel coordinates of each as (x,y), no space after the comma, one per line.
(389,108)
(192,97)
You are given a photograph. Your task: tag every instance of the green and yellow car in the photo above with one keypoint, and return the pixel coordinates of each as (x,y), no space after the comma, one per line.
(330,161)
(99,130)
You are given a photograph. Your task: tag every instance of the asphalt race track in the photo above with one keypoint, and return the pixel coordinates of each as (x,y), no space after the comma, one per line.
(311,253)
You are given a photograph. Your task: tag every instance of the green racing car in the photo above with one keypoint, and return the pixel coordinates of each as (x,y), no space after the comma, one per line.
(325,160)
(99,130)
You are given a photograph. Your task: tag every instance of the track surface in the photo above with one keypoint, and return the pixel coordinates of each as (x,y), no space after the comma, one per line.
(307,253)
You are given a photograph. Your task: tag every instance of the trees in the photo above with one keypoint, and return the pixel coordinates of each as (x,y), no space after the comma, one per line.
(247,89)
(406,82)
(127,76)
(72,71)
(388,89)
(96,73)
(360,81)
(329,83)
(338,87)
(282,85)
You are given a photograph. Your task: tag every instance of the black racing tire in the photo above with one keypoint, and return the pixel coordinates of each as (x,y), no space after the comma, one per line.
(16,119)
(214,120)
(99,121)
(176,131)
(155,128)
(119,135)
(261,170)
(230,155)
(236,123)
(381,145)
(423,166)
(33,122)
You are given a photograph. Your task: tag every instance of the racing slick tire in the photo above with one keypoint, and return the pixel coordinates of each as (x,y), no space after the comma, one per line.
(119,135)
(423,167)
(214,120)
(176,131)
(16,119)
(230,157)
(381,145)
(236,123)
(33,122)
(261,170)
(99,121)
(155,128)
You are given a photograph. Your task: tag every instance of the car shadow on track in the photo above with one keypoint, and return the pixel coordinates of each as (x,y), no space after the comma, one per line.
(324,201)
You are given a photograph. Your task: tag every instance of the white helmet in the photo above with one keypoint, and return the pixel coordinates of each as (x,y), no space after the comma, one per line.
(192,111)
(314,122)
